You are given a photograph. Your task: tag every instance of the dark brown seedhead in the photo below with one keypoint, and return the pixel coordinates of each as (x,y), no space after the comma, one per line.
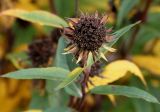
(89,33)
(86,35)
(40,52)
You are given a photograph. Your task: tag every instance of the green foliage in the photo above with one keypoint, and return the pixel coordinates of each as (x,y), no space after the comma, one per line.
(125,91)
(70,77)
(63,78)
(40,17)
(50,73)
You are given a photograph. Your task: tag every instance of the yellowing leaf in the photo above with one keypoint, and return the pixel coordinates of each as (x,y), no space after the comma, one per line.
(151,63)
(115,71)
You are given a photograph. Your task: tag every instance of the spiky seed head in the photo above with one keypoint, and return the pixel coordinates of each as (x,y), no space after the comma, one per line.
(86,35)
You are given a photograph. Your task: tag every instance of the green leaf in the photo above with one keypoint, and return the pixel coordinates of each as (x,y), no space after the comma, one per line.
(51,73)
(73,90)
(36,99)
(70,78)
(125,91)
(121,32)
(40,17)
(117,35)
(61,58)
(125,8)
(64,61)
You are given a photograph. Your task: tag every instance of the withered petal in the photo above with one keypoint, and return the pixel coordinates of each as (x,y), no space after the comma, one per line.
(104,19)
(109,48)
(96,14)
(80,57)
(109,30)
(69,32)
(103,56)
(85,57)
(94,56)
(73,21)
(73,50)
(109,38)
(69,47)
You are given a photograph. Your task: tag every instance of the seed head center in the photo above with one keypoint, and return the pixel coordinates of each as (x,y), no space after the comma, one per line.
(89,33)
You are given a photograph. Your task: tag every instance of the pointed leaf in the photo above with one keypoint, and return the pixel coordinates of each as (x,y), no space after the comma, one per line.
(121,32)
(124,91)
(51,73)
(70,78)
(40,17)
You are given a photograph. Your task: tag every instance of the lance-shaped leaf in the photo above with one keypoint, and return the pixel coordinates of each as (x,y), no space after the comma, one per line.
(124,91)
(70,78)
(40,17)
(51,73)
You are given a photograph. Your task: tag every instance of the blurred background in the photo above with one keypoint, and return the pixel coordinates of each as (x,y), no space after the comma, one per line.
(142,46)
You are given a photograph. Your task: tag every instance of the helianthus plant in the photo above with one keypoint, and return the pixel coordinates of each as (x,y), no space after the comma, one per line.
(88,40)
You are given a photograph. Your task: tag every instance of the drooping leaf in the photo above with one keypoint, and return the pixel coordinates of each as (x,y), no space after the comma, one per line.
(152,64)
(124,91)
(116,70)
(40,17)
(70,78)
(51,73)
(117,35)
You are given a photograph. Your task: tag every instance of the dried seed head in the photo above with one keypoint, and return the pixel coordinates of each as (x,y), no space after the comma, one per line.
(40,51)
(89,33)
(86,35)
